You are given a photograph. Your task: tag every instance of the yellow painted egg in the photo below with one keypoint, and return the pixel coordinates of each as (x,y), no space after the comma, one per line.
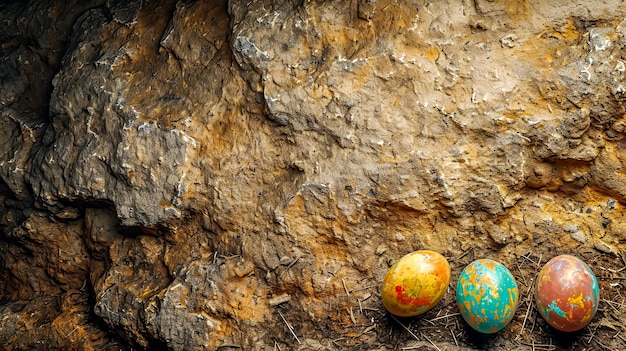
(415,283)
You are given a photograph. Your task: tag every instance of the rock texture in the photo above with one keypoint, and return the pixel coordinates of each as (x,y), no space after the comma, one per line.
(201,175)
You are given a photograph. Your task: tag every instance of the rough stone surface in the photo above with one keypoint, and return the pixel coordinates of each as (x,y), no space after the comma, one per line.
(201,175)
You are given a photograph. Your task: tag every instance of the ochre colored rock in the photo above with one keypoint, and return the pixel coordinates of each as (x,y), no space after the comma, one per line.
(168,168)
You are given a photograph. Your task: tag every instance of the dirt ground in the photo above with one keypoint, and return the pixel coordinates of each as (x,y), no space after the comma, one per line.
(371,327)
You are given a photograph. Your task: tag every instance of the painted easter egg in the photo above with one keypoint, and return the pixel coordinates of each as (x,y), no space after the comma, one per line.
(567,293)
(487,295)
(415,283)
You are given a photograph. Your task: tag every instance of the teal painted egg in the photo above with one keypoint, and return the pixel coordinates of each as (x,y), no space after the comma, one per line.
(567,293)
(487,295)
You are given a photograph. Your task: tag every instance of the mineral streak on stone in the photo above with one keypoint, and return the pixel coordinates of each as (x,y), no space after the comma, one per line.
(167,168)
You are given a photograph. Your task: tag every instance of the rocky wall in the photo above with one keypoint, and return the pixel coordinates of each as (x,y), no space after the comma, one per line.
(201,175)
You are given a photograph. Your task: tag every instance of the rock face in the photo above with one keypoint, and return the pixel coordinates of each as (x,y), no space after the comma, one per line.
(194,175)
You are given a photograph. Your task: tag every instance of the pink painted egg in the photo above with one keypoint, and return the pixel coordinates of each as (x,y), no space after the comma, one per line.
(567,293)
(415,283)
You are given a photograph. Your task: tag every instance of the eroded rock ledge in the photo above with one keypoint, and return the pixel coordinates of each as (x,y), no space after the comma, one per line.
(209,174)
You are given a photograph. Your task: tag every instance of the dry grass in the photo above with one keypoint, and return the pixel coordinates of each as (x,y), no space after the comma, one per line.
(368,326)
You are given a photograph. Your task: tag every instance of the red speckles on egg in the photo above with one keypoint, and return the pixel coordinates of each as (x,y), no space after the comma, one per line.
(411,300)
